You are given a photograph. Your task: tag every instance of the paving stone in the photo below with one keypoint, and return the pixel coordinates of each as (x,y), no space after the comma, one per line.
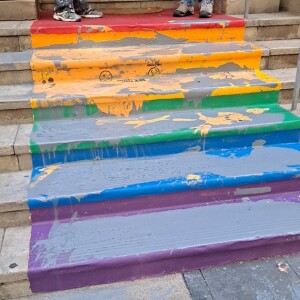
(294,260)
(15,218)
(25,162)
(13,187)
(165,287)
(253,280)
(22,141)
(264,63)
(14,254)
(278,32)
(15,116)
(286,96)
(9,43)
(15,289)
(281,47)
(197,285)
(290,5)
(25,42)
(14,61)
(17,10)
(15,77)
(272,19)
(256,6)
(8,135)
(282,61)
(9,163)
(250,34)
(9,28)
(24,27)
(286,76)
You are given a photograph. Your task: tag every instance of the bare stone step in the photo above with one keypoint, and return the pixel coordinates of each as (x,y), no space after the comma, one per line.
(13,202)
(272,26)
(14,147)
(15,35)
(18,10)
(282,53)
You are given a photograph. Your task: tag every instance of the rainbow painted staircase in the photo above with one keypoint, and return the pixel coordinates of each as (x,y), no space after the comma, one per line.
(158,146)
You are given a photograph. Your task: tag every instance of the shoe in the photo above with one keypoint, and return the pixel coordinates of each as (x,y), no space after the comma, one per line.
(92,14)
(206,9)
(184,10)
(67,15)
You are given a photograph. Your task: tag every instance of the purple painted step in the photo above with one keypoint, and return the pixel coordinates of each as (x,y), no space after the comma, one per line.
(82,252)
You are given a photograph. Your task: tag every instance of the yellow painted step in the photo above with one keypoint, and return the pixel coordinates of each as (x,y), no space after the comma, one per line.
(119,63)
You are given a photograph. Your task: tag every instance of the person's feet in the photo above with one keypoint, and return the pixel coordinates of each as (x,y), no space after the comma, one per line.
(67,14)
(92,14)
(183,10)
(206,9)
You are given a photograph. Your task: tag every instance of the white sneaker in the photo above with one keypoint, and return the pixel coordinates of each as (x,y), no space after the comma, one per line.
(206,9)
(184,10)
(67,15)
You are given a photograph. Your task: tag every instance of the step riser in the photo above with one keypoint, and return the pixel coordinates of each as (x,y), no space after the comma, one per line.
(269,33)
(15,77)
(108,69)
(175,144)
(181,200)
(155,37)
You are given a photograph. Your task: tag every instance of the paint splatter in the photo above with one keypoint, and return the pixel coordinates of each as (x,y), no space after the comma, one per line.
(47,171)
(139,123)
(223,118)
(183,120)
(193,177)
(256,111)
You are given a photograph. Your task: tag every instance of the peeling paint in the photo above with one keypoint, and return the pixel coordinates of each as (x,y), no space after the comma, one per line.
(257,111)
(223,118)
(193,177)
(47,171)
(139,123)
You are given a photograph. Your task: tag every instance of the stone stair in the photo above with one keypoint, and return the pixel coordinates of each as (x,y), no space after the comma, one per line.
(144,158)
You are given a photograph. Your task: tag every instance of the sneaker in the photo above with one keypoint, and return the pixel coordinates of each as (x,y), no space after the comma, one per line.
(67,15)
(92,14)
(206,9)
(184,10)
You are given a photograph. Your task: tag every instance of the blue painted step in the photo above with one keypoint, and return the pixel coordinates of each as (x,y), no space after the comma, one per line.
(93,181)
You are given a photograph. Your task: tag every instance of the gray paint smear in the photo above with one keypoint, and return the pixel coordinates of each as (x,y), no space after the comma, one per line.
(252,191)
(85,177)
(101,238)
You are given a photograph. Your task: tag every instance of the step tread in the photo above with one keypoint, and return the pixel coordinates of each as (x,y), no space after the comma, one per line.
(89,181)
(160,21)
(166,124)
(280,47)
(272,19)
(142,239)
